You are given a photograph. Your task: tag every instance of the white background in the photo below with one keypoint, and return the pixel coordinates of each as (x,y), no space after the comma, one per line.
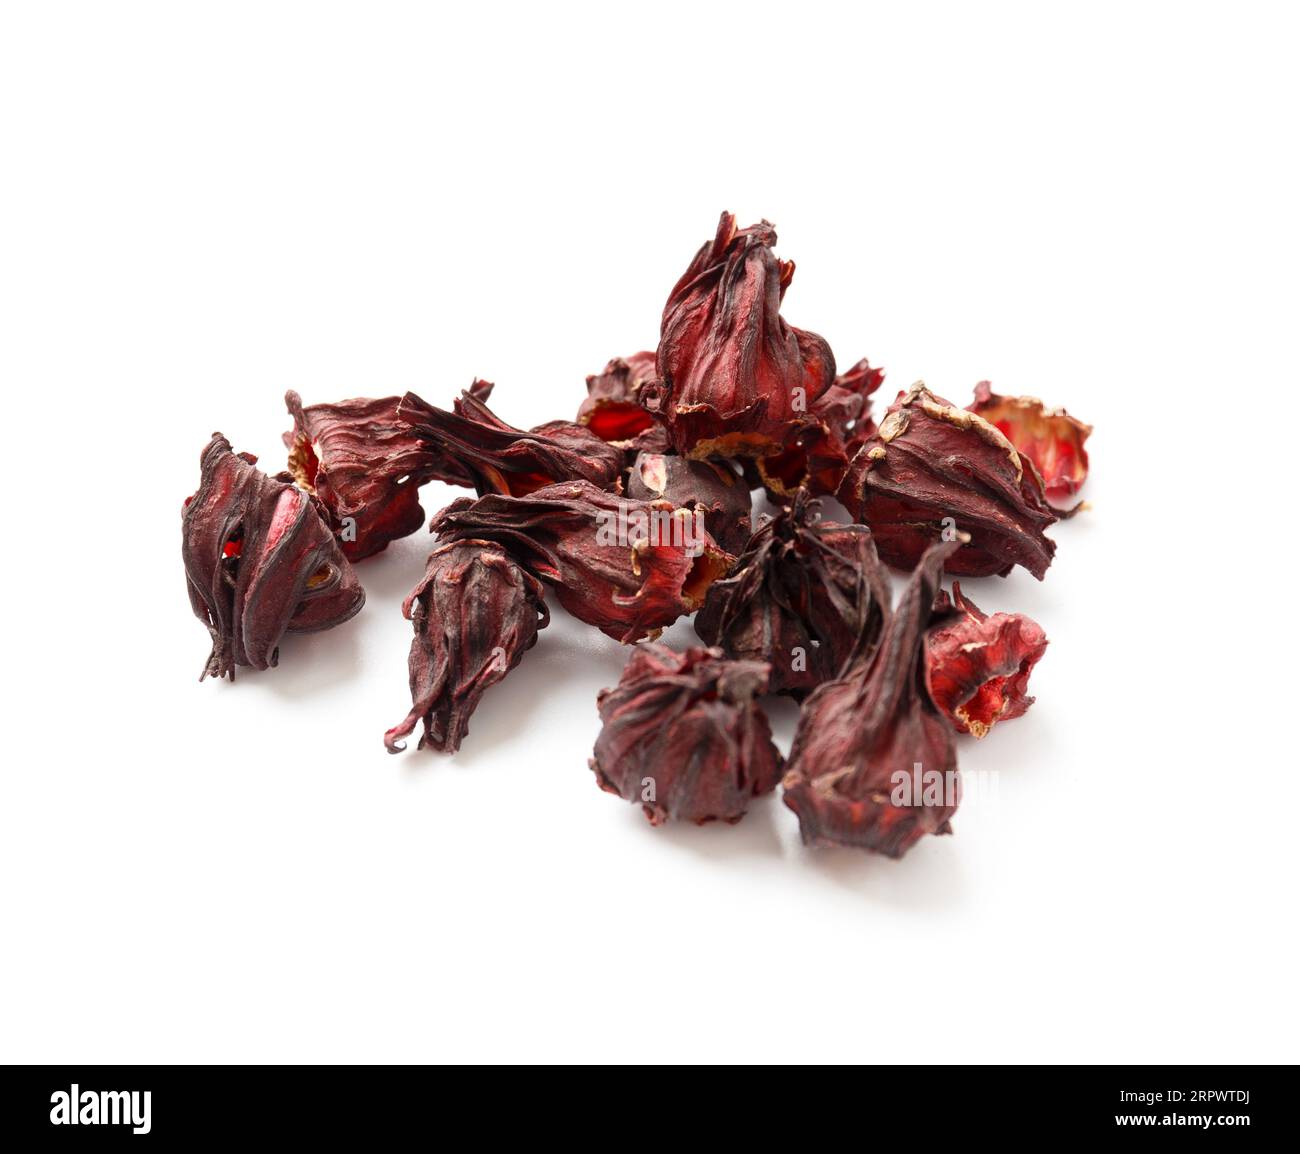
(206,205)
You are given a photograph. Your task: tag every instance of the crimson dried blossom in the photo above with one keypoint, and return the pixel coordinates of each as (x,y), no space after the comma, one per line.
(932,470)
(712,487)
(629,567)
(475,613)
(1051,438)
(805,596)
(365,464)
(873,764)
(819,453)
(977,667)
(260,562)
(613,409)
(683,735)
(735,380)
(499,458)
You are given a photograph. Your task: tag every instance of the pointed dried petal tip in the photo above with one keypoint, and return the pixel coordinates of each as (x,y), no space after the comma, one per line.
(977,667)
(819,453)
(932,471)
(805,596)
(682,735)
(475,615)
(630,568)
(365,465)
(873,764)
(1051,438)
(260,561)
(735,380)
(613,408)
(712,487)
(498,458)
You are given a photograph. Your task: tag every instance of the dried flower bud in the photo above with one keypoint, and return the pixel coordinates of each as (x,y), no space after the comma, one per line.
(735,379)
(712,487)
(1051,438)
(932,471)
(819,453)
(613,409)
(260,562)
(630,568)
(873,763)
(475,614)
(683,735)
(502,459)
(977,667)
(805,597)
(365,465)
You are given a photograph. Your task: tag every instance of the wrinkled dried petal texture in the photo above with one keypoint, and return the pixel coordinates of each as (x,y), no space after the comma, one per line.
(628,567)
(260,561)
(861,739)
(475,613)
(932,469)
(613,409)
(805,597)
(977,666)
(1051,438)
(735,379)
(502,459)
(710,486)
(682,734)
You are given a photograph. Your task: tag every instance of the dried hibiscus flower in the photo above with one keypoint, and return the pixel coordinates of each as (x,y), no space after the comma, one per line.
(613,408)
(1051,438)
(475,614)
(498,458)
(819,452)
(873,763)
(977,667)
(683,735)
(735,380)
(712,487)
(365,464)
(805,596)
(628,567)
(259,562)
(932,471)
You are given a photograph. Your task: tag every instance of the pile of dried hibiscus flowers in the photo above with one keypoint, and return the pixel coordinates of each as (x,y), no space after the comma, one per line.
(638,513)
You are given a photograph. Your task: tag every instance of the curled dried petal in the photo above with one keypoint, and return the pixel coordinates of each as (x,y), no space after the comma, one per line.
(931,471)
(710,486)
(476,613)
(613,408)
(805,596)
(977,667)
(735,379)
(873,763)
(683,735)
(1051,438)
(628,567)
(502,459)
(260,561)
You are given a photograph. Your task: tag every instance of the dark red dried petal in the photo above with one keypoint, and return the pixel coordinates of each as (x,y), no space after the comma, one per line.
(365,465)
(977,667)
(709,486)
(683,736)
(476,613)
(870,743)
(260,562)
(735,379)
(1051,438)
(502,459)
(630,568)
(613,409)
(805,597)
(932,471)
